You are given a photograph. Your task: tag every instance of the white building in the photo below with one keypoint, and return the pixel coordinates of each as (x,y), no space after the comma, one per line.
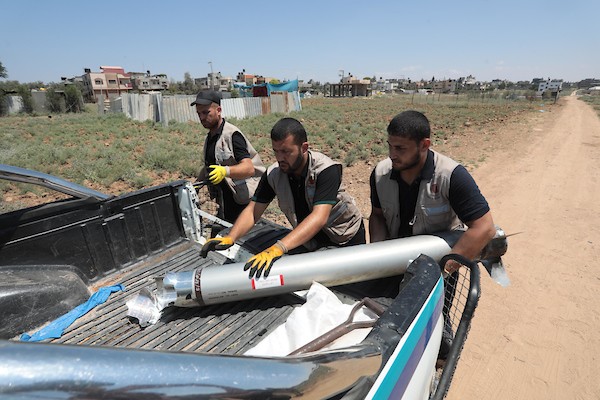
(554,85)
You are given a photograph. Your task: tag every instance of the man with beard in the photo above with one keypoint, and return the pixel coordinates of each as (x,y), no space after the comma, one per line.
(230,162)
(419,191)
(309,190)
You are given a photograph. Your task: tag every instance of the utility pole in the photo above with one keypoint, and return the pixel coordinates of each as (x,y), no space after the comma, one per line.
(212,83)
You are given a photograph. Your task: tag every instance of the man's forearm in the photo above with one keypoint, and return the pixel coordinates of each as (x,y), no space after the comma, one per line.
(308,228)
(479,233)
(242,170)
(377,228)
(247,219)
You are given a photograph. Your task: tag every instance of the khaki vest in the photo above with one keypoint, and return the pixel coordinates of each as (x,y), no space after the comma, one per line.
(345,218)
(243,189)
(433,212)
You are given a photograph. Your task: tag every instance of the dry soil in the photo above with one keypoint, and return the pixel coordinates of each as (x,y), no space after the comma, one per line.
(539,338)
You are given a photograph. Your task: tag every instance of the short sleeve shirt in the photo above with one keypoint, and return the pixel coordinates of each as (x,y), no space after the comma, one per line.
(240,149)
(464,195)
(326,188)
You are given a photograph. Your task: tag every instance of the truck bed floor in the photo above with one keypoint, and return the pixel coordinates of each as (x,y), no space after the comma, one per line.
(230,328)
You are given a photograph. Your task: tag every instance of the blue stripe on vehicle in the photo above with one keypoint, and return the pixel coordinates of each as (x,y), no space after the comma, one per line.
(403,366)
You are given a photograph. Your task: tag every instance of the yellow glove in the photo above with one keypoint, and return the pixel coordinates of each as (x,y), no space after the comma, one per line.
(220,243)
(217,174)
(264,261)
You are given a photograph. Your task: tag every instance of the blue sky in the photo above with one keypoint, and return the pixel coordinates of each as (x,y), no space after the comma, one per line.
(515,40)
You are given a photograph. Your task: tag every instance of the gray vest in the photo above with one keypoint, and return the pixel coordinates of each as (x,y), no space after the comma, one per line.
(242,189)
(345,218)
(433,212)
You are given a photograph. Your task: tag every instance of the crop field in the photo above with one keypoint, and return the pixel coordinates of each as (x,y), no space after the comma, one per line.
(594,101)
(113,154)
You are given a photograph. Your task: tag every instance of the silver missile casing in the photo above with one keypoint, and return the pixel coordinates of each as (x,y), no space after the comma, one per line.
(229,282)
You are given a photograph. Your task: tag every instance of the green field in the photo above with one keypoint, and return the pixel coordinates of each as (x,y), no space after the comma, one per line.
(593,100)
(100,150)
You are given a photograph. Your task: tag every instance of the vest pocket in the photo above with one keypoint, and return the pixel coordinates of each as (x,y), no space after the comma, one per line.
(437,217)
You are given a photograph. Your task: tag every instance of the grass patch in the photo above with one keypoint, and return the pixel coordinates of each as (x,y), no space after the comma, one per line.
(593,100)
(96,149)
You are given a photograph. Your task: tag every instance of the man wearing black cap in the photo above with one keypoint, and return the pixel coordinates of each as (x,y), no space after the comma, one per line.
(230,161)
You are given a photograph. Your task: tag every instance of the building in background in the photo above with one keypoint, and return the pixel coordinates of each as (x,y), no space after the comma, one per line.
(246,79)
(147,82)
(215,81)
(110,82)
(553,86)
(350,86)
(444,86)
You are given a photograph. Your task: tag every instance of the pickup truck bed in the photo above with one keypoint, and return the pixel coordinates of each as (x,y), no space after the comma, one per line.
(230,328)
(226,328)
(53,257)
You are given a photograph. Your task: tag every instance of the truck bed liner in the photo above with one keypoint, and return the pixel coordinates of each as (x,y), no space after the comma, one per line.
(230,328)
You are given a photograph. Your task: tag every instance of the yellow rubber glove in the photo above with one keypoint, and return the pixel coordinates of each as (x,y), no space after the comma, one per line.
(217,173)
(263,261)
(220,243)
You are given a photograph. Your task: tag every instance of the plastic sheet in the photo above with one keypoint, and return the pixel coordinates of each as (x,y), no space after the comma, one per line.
(322,312)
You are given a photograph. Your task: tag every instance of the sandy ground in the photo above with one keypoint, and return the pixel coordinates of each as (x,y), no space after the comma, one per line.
(539,338)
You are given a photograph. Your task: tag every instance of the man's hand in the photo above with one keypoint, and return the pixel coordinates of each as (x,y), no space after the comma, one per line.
(262,262)
(221,243)
(217,174)
(452,266)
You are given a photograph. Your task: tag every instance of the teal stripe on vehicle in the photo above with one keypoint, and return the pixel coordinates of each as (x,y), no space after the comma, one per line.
(398,375)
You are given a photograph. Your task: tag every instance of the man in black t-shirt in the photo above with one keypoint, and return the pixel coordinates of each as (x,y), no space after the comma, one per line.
(230,162)
(309,190)
(419,191)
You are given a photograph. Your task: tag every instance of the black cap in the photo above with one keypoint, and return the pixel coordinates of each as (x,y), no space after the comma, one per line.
(206,97)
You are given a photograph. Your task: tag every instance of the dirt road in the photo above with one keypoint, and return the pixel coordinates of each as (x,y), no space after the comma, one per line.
(540,337)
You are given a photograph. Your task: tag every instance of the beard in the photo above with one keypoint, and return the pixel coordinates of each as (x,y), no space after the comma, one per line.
(294,167)
(209,124)
(410,164)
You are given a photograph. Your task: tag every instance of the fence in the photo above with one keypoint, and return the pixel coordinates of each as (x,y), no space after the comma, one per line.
(158,108)
(497,97)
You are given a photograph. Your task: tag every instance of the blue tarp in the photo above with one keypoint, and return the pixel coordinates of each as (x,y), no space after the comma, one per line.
(249,91)
(56,328)
(291,86)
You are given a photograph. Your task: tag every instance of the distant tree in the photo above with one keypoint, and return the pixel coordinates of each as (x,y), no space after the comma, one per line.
(3,73)
(274,81)
(53,100)
(73,98)
(35,85)
(188,86)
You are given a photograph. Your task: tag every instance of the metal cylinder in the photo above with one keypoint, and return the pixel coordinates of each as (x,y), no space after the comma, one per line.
(229,282)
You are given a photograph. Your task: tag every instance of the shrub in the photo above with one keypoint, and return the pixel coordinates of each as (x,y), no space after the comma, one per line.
(53,101)
(73,99)
(27,99)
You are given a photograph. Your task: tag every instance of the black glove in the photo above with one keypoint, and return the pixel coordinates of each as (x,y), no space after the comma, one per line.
(220,243)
